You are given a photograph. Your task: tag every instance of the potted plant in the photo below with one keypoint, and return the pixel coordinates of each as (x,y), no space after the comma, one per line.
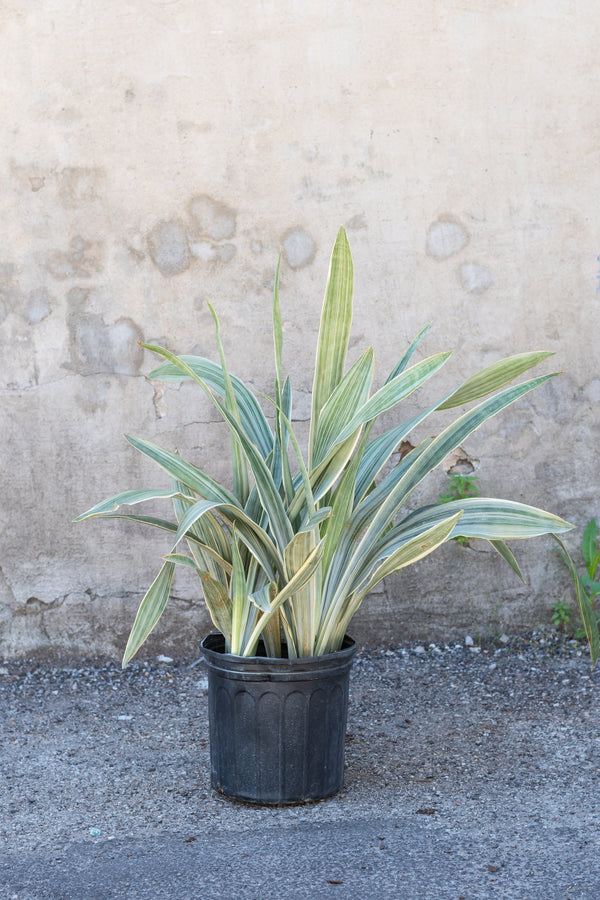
(288,553)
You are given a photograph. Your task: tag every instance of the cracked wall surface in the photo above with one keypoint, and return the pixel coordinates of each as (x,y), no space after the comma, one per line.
(156,155)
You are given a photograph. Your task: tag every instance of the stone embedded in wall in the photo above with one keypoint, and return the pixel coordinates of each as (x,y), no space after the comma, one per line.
(460,463)
(159,402)
(168,246)
(298,247)
(212,218)
(446,237)
(474,278)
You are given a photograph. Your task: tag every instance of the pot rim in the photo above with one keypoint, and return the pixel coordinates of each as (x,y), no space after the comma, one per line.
(303,667)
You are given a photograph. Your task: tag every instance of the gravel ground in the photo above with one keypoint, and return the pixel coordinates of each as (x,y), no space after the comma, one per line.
(471,772)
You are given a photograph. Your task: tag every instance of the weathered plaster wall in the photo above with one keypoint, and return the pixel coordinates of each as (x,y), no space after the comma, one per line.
(157,153)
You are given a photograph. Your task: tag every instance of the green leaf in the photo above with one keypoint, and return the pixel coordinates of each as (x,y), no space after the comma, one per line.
(218,605)
(508,555)
(493,377)
(239,597)
(410,552)
(254,537)
(349,395)
(586,610)
(486,517)
(150,610)
(405,359)
(592,587)
(251,415)
(588,545)
(262,597)
(593,565)
(334,332)
(299,579)
(181,559)
(127,498)
(241,487)
(393,392)
(183,471)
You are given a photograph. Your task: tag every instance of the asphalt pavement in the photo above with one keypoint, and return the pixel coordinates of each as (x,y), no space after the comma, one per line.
(471,772)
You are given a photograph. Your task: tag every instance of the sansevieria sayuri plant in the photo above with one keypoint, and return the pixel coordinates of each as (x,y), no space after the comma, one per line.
(292,549)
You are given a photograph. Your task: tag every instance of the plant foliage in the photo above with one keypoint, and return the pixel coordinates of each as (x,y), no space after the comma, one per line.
(301,539)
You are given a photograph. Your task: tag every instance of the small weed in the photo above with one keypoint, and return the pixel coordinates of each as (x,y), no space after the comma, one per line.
(590,551)
(459,487)
(561,615)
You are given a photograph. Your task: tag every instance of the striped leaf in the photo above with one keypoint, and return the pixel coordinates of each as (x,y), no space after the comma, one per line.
(218,605)
(265,484)
(494,377)
(251,415)
(180,559)
(507,554)
(586,610)
(393,392)
(427,460)
(349,395)
(306,600)
(486,517)
(254,537)
(408,354)
(127,498)
(296,582)
(404,555)
(334,332)
(150,610)
(183,471)
(241,487)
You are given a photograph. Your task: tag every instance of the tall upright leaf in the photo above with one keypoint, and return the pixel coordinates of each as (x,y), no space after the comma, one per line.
(334,331)
(241,487)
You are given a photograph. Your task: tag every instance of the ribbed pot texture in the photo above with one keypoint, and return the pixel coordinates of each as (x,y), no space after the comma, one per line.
(277,726)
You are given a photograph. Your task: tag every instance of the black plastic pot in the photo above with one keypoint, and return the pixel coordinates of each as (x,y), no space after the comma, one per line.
(277,726)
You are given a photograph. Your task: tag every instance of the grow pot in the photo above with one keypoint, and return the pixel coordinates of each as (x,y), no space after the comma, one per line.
(277,726)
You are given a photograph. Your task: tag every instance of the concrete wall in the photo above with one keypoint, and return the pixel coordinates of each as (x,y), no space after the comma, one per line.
(157,153)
